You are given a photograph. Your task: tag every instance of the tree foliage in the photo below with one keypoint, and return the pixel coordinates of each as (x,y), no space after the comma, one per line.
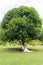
(41,35)
(21,23)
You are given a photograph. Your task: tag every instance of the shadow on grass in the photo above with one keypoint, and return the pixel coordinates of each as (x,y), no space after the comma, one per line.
(36,50)
(15,50)
(12,49)
(33,49)
(19,49)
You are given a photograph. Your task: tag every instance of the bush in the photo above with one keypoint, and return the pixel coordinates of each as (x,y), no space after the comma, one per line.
(2,43)
(35,42)
(27,40)
(17,42)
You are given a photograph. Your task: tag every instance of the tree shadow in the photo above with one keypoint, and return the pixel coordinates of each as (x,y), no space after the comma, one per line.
(16,50)
(12,49)
(32,49)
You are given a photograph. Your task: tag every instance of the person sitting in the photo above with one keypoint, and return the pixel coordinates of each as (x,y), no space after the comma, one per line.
(24,49)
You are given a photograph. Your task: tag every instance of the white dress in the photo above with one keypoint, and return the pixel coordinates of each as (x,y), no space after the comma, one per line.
(25,49)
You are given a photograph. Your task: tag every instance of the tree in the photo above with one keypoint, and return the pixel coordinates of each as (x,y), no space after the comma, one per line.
(22,23)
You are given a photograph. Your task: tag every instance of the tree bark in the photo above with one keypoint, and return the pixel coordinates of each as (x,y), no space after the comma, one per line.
(23,44)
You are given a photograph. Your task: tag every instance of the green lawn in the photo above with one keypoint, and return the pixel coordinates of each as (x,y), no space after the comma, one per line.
(13,56)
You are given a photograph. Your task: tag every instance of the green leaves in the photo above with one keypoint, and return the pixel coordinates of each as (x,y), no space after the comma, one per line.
(22,23)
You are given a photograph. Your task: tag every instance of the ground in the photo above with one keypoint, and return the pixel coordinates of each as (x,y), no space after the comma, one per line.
(13,56)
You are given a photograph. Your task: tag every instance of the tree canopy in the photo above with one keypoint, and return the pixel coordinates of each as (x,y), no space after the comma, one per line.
(22,23)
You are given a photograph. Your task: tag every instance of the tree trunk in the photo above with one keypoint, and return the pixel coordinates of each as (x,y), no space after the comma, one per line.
(23,44)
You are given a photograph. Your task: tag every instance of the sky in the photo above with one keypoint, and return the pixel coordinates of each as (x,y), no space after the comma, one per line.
(6,5)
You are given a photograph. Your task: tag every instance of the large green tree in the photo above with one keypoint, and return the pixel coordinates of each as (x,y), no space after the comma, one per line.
(22,23)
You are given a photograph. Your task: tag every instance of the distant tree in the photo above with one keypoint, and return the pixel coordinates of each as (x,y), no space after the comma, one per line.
(21,23)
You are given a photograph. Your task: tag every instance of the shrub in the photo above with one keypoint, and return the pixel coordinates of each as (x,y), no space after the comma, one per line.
(2,43)
(35,42)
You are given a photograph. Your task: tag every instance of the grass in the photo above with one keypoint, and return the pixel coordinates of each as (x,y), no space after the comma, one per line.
(13,56)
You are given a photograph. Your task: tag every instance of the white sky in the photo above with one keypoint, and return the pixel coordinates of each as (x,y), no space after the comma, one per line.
(6,5)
